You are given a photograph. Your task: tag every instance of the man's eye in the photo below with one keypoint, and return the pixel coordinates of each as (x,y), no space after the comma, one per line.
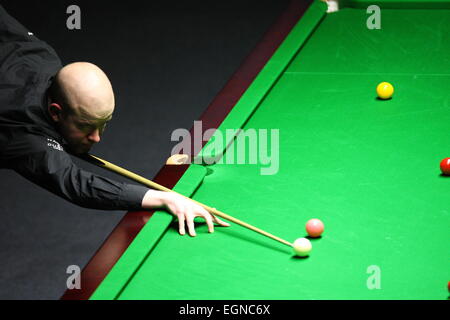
(85,126)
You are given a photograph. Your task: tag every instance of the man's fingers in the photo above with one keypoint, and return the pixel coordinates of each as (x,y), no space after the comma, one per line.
(186,217)
(190,223)
(181,228)
(221,222)
(209,221)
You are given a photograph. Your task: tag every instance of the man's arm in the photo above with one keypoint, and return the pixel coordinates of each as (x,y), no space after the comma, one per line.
(42,161)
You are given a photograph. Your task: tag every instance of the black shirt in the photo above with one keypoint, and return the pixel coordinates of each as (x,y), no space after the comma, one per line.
(29,142)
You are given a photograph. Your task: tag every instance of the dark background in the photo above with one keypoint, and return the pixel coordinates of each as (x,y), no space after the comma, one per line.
(166,62)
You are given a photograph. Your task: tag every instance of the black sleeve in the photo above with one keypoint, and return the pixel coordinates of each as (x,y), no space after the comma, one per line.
(43,161)
(10,28)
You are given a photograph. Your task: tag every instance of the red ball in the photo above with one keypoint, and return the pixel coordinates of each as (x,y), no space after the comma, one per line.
(445,166)
(314,228)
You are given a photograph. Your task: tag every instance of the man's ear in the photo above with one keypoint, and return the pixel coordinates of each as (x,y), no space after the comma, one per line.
(55,111)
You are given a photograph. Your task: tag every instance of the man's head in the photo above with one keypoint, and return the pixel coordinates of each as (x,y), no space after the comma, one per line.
(81,103)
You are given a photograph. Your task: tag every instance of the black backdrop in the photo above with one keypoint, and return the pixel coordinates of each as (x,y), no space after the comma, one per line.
(166,61)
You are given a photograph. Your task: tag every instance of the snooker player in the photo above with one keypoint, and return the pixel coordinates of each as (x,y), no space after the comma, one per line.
(49,112)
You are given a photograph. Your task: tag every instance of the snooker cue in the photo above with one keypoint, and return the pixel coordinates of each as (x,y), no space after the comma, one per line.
(112,167)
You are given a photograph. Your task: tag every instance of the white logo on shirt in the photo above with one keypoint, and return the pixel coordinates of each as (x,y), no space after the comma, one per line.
(54,144)
(30,33)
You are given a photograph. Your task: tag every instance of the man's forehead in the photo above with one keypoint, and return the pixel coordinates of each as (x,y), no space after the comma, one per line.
(84,115)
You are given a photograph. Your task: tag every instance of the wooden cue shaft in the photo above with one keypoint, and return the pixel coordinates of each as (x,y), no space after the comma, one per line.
(154,185)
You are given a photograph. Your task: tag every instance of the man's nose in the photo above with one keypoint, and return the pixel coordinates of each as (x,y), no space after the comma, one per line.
(94,136)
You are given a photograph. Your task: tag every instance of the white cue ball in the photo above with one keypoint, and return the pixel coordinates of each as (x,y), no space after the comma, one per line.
(302,247)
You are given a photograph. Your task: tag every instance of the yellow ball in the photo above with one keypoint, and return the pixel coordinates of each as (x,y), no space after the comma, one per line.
(385,90)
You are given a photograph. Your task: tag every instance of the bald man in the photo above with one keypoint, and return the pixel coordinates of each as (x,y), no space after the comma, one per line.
(48,112)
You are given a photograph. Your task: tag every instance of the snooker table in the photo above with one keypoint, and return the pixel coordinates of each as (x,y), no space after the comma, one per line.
(368,168)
